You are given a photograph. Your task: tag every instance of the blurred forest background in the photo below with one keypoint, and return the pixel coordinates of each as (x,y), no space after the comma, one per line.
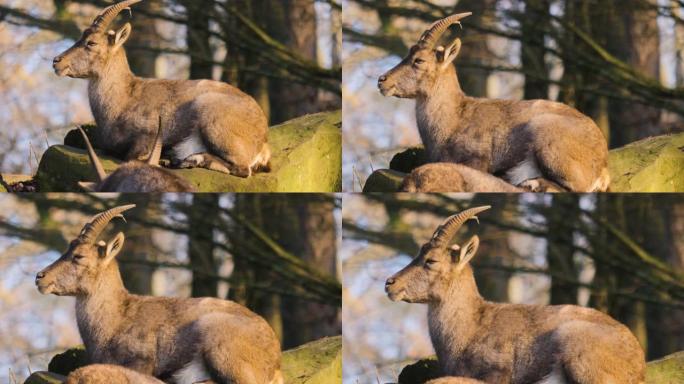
(276,254)
(621,254)
(619,61)
(285,53)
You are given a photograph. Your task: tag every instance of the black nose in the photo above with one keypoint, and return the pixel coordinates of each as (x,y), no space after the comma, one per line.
(389,281)
(56,60)
(40,275)
(382,79)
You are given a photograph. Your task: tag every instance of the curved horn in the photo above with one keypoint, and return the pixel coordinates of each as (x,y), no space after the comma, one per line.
(155,156)
(108,15)
(437,29)
(99,169)
(450,226)
(92,230)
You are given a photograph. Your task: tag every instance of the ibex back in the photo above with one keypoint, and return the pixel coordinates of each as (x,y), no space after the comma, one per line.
(208,123)
(520,141)
(502,343)
(176,340)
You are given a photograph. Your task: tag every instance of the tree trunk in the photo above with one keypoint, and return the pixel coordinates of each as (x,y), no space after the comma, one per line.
(475,50)
(137,277)
(534,25)
(202,216)
(561,218)
(293,22)
(197,38)
(143,61)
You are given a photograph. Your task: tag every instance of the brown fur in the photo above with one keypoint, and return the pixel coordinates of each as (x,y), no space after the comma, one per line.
(450,177)
(201,117)
(501,343)
(516,140)
(160,336)
(109,374)
(453,380)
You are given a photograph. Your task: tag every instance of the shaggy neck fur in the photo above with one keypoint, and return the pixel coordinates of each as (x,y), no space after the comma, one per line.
(454,316)
(114,83)
(100,311)
(435,110)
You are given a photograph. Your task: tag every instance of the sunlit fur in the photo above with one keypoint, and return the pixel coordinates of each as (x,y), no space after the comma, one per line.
(231,127)
(159,336)
(450,177)
(501,343)
(514,140)
(109,374)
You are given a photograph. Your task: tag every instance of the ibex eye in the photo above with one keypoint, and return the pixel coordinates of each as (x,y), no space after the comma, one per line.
(430,261)
(91,44)
(78,257)
(418,61)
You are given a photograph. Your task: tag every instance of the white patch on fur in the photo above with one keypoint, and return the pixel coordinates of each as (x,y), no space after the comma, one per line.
(602,183)
(555,377)
(188,147)
(194,372)
(525,170)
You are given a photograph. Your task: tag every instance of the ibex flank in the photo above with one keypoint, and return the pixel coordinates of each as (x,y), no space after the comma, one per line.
(523,142)
(176,340)
(208,124)
(500,343)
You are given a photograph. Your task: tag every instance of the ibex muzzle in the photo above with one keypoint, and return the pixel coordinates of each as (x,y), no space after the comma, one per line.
(437,263)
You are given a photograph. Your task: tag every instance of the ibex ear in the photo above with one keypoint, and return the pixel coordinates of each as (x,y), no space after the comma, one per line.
(468,251)
(113,248)
(451,52)
(119,38)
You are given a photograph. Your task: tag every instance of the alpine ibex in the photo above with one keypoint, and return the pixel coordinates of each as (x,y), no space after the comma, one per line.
(516,140)
(502,343)
(173,339)
(109,374)
(208,123)
(135,176)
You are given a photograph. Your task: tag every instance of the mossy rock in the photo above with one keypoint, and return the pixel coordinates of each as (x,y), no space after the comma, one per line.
(317,362)
(668,370)
(655,164)
(45,378)
(69,361)
(651,165)
(307,157)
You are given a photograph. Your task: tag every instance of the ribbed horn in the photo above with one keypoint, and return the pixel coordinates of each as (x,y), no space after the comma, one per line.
(451,225)
(108,15)
(155,156)
(437,29)
(99,169)
(92,230)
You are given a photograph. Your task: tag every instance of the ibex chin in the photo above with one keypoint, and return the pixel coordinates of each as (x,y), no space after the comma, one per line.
(173,339)
(208,123)
(135,176)
(501,343)
(520,141)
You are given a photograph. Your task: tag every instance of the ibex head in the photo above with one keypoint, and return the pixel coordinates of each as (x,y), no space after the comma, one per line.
(89,56)
(77,271)
(437,265)
(417,73)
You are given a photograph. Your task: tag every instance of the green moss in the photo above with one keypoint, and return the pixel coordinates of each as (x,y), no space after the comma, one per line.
(668,370)
(66,362)
(307,157)
(651,165)
(384,180)
(45,378)
(318,362)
